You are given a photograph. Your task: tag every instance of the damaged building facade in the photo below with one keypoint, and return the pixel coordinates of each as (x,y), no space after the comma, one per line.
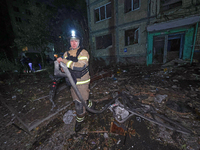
(146,32)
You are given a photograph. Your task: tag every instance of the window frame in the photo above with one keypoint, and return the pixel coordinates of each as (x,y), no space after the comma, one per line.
(136,31)
(99,13)
(132,6)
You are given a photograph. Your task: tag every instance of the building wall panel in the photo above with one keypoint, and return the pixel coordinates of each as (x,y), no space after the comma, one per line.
(134,15)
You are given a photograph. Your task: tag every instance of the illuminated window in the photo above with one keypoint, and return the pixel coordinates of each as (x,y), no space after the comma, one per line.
(104,41)
(130,5)
(103,12)
(131,36)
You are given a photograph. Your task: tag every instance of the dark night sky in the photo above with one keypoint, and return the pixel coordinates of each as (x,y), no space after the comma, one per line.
(6,32)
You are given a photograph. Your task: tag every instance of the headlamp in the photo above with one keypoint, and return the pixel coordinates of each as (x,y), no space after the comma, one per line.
(73,33)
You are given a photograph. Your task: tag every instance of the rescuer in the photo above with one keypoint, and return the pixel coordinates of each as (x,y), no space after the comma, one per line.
(77,61)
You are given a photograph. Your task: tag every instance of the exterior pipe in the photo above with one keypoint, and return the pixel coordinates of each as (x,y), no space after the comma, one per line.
(195,36)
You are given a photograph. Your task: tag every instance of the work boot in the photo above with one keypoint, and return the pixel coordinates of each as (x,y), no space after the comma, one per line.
(78,126)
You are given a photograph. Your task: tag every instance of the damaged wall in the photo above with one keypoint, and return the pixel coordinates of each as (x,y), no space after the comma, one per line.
(170,22)
(117,25)
(129,29)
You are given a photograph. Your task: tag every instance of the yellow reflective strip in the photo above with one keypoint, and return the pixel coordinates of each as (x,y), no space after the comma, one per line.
(82,82)
(69,63)
(79,119)
(90,103)
(82,58)
(65,56)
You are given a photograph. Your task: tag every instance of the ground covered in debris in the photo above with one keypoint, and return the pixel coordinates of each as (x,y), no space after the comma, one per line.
(29,122)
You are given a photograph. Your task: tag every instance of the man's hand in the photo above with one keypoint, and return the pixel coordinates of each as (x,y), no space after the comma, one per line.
(59,59)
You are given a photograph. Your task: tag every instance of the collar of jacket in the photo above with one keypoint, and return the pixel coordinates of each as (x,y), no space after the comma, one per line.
(74,49)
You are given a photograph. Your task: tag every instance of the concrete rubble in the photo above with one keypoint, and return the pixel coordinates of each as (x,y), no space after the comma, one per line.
(172,89)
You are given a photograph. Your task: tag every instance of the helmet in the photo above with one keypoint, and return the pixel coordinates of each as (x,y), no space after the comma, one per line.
(74,36)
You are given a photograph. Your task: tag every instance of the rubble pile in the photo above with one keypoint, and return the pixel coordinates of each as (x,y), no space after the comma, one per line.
(171,89)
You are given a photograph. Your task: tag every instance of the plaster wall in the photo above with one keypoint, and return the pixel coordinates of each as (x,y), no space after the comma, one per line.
(134,15)
(109,51)
(188,8)
(140,47)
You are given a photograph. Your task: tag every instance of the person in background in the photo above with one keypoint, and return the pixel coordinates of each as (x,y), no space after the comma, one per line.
(30,64)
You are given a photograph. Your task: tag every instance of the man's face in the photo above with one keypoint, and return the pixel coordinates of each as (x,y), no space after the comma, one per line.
(74,43)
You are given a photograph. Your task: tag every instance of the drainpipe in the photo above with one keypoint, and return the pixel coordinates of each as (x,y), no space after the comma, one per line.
(89,27)
(195,36)
(148,22)
(149,11)
(117,32)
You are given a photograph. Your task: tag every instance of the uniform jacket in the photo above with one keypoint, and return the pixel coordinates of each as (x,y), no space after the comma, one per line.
(83,61)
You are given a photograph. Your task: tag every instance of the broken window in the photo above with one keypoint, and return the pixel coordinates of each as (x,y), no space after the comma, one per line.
(131,36)
(103,12)
(104,41)
(130,5)
(18,19)
(16,9)
(169,4)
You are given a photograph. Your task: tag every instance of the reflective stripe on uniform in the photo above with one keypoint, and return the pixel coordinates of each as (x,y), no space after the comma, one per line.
(82,58)
(89,103)
(82,82)
(69,63)
(79,119)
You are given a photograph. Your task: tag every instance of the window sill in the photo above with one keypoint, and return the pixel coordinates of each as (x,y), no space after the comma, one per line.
(132,10)
(102,20)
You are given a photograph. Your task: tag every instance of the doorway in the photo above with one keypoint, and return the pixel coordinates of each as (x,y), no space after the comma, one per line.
(167,47)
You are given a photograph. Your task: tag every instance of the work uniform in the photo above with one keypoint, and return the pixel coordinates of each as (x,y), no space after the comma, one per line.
(82,83)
